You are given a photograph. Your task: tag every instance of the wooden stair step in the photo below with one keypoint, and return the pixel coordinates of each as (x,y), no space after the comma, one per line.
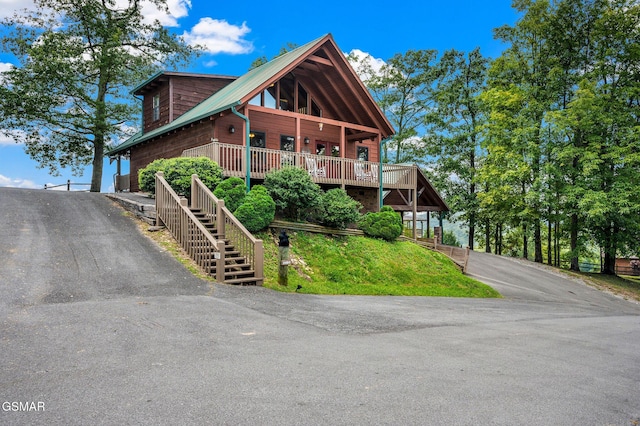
(241,280)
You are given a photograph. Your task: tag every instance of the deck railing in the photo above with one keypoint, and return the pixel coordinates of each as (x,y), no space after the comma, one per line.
(322,169)
(192,236)
(228,227)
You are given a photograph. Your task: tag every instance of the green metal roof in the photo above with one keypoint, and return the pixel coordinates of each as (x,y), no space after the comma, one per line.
(227,97)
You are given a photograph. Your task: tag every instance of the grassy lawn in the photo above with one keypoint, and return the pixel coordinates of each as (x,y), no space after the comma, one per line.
(624,286)
(366,266)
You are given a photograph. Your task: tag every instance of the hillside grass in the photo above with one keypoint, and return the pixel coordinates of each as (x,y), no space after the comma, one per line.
(626,287)
(323,264)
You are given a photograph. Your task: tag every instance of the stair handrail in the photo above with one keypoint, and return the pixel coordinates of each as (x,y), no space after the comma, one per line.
(192,236)
(228,226)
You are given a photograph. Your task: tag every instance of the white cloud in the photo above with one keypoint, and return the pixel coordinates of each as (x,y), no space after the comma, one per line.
(219,36)
(5,66)
(365,64)
(8,7)
(177,9)
(210,64)
(18,183)
(6,139)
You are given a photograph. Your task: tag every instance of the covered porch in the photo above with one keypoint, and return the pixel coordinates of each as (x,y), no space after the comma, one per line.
(323,169)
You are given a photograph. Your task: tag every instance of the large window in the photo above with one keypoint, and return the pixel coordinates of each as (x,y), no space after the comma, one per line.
(257,139)
(363,153)
(282,95)
(156,108)
(287,143)
(328,148)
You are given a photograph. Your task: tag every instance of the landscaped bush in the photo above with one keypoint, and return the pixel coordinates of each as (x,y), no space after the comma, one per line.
(257,210)
(178,171)
(293,192)
(339,209)
(147,176)
(232,191)
(385,224)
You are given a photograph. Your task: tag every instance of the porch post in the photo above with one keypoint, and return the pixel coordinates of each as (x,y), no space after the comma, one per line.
(343,154)
(298,147)
(415,200)
(380,183)
(247,162)
(415,213)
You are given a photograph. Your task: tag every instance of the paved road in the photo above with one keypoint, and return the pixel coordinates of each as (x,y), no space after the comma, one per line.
(102,327)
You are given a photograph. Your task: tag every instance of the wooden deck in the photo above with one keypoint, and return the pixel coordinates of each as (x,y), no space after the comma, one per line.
(322,169)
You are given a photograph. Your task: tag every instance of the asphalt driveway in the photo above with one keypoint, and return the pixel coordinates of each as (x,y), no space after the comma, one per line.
(99,326)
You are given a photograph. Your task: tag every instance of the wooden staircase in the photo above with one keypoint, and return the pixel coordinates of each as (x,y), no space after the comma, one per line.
(237,270)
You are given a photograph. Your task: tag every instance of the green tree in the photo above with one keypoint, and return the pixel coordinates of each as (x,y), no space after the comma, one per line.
(524,70)
(68,99)
(403,90)
(455,141)
(600,124)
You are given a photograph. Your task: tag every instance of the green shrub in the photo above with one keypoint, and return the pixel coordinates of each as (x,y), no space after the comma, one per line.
(450,239)
(339,209)
(232,191)
(293,191)
(385,224)
(257,210)
(178,171)
(147,175)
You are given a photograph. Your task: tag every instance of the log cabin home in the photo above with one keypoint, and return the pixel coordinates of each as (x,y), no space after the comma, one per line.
(307,108)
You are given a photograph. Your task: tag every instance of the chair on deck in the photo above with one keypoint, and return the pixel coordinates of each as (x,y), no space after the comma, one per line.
(361,174)
(374,173)
(313,169)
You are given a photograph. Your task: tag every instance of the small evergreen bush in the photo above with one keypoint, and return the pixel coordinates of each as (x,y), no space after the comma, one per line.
(294,192)
(339,209)
(385,224)
(232,191)
(178,171)
(257,210)
(147,175)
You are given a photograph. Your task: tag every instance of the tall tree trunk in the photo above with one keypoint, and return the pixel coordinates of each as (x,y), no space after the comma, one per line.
(472,230)
(549,260)
(98,161)
(537,237)
(525,242)
(472,192)
(609,267)
(575,266)
(556,244)
(487,236)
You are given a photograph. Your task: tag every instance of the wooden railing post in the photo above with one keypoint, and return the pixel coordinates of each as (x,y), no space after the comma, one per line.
(159,199)
(220,261)
(194,192)
(258,257)
(466,260)
(220,219)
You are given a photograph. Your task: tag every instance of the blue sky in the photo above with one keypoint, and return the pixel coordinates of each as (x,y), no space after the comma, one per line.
(236,35)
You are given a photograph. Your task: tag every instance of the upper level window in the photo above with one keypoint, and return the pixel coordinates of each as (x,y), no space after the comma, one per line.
(284,96)
(156,108)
